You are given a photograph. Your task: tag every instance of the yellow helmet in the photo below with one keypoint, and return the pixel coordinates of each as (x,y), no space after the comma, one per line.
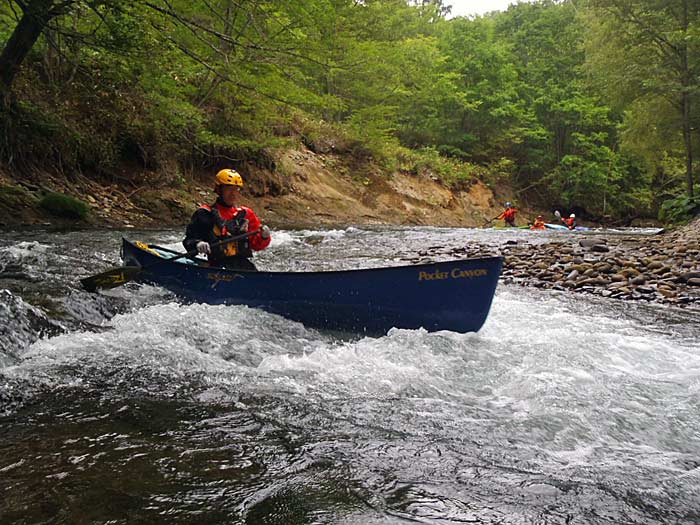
(229,177)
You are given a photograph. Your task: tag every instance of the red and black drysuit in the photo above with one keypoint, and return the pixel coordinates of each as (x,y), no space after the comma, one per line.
(508,216)
(217,222)
(570,223)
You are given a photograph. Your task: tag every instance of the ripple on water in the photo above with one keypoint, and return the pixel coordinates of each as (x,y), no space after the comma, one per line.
(561,410)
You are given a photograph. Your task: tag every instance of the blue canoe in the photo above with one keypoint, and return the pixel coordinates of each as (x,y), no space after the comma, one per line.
(454,295)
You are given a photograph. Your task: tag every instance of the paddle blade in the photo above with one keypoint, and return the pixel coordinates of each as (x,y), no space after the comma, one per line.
(557,214)
(111,278)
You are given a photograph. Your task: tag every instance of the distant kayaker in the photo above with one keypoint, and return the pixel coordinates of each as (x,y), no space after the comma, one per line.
(508,215)
(570,222)
(224,218)
(538,224)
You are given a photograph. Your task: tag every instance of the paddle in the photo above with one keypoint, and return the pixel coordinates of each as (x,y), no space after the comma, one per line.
(123,274)
(556,212)
(490,221)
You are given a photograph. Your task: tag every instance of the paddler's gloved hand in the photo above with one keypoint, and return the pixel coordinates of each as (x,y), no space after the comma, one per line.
(265,232)
(203,247)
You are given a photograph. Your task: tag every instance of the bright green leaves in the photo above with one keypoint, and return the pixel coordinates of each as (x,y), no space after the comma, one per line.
(645,55)
(587,103)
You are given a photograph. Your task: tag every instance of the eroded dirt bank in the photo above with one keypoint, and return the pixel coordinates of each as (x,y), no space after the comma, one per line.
(304,189)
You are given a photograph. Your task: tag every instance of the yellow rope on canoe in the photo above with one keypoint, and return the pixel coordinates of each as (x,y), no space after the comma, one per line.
(147,248)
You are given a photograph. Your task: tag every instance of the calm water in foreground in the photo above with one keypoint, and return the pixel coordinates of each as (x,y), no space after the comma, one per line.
(128,407)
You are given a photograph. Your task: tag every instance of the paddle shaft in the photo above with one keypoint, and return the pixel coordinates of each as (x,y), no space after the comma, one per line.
(491,220)
(192,253)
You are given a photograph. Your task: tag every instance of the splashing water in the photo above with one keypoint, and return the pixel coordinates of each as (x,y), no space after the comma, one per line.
(562,409)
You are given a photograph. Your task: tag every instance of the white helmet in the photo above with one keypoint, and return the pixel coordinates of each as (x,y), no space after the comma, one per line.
(572,216)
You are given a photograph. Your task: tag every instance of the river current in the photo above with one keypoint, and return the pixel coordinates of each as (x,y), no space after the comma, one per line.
(130,407)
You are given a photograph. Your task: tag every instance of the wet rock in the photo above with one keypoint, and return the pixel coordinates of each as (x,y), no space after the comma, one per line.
(689,275)
(653,264)
(629,272)
(659,270)
(694,281)
(21,324)
(668,293)
(603,267)
(601,248)
(588,243)
(638,280)
(597,281)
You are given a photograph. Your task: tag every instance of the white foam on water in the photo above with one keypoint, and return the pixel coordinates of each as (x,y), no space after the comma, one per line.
(29,254)
(283,238)
(549,370)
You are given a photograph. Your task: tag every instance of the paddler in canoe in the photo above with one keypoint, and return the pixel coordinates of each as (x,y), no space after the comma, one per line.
(539,224)
(570,222)
(508,215)
(213,223)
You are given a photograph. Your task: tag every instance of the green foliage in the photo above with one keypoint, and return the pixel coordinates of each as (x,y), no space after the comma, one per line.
(64,206)
(532,96)
(427,161)
(14,197)
(679,210)
(34,136)
(645,57)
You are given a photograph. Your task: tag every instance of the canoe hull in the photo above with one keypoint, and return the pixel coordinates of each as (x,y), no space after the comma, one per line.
(453,295)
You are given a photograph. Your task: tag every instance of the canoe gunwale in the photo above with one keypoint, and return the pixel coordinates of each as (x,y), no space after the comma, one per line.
(354,271)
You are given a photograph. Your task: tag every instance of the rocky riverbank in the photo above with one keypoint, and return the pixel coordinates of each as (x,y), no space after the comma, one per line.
(663,268)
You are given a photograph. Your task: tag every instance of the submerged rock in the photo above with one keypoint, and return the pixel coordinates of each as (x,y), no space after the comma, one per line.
(20,325)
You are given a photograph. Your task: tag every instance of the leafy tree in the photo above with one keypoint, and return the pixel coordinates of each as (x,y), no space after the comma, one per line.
(33,17)
(655,62)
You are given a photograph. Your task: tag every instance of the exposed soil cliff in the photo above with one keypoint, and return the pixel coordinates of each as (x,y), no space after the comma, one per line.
(304,189)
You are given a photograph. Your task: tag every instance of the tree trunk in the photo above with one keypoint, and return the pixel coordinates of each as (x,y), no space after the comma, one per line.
(688,139)
(36,15)
(685,103)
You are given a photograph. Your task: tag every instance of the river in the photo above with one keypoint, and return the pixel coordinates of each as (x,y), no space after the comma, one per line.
(129,407)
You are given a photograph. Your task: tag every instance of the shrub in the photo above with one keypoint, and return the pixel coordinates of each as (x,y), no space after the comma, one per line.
(65,206)
(680,209)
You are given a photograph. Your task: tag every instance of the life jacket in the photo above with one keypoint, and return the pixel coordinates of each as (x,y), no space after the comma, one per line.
(571,223)
(227,223)
(538,225)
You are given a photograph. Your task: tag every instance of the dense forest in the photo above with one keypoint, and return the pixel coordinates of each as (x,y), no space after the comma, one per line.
(592,105)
